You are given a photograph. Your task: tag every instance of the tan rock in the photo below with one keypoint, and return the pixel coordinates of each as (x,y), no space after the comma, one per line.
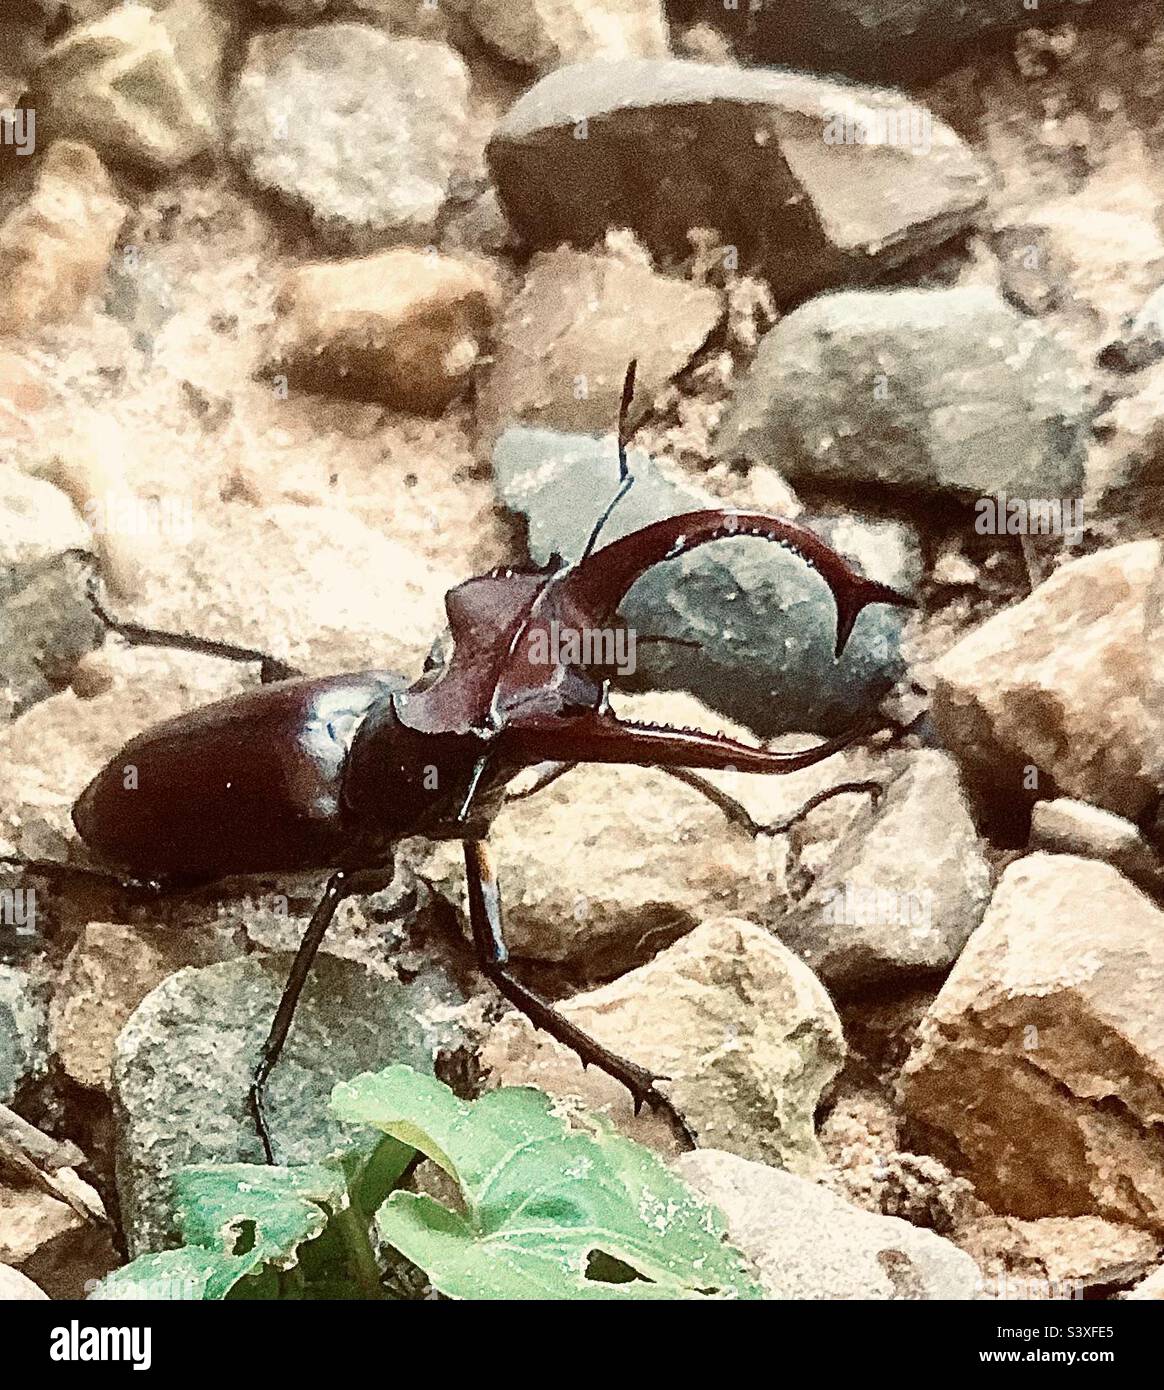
(544,34)
(1039,1070)
(108,973)
(404,327)
(51,1244)
(1065,826)
(744,1030)
(563,348)
(18,1288)
(608,864)
(1052,695)
(37,520)
(54,248)
(1056,1257)
(118,84)
(1152,1287)
(808,1243)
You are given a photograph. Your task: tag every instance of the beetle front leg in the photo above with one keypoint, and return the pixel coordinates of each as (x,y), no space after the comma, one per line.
(485,921)
(738,814)
(342,884)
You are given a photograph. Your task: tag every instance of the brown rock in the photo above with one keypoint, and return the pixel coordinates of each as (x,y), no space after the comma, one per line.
(1057,1257)
(55,247)
(744,1030)
(664,146)
(563,348)
(404,327)
(1065,826)
(1039,1070)
(1052,695)
(118,83)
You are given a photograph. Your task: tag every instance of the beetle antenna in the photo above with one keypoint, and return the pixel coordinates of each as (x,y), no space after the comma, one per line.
(625,476)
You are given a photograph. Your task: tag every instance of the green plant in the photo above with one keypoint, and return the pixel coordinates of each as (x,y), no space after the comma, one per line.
(543,1210)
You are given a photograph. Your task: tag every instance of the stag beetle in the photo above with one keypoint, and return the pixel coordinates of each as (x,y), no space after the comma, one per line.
(311,774)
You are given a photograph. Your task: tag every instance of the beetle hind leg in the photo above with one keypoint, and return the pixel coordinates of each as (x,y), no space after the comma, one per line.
(485,920)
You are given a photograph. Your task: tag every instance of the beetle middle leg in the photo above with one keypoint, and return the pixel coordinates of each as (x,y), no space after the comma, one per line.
(343,884)
(271,669)
(488,937)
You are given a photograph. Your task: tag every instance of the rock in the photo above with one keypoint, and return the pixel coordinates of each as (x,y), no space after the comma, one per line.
(37,520)
(764,622)
(808,1243)
(57,1248)
(118,84)
(46,627)
(1038,1070)
(563,348)
(597,145)
(870,40)
(1051,696)
(1151,1287)
(183,1064)
(544,34)
(416,18)
(1141,343)
(107,974)
(362,131)
(1125,464)
(16,1287)
(598,869)
(902,892)
(1057,1257)
(856,388)
(404,327)
(55,247)
(1064,826)
(23,1053)
(744,1031)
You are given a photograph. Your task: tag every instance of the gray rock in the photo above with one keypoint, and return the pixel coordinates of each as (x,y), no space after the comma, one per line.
(663,146)
(183,1062)
(931,391)
(807,1243)
(765,623)
(416,18)
(46,627)
(23,1026)
(869,39)
(362,131)
(903,890)
(16,1287)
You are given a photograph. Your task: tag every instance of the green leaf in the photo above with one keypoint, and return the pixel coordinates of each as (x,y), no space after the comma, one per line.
(550,1212)
(187,1275)
(267,1212)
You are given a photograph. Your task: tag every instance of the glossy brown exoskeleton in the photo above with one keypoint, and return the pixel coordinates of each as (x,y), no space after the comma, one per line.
(301,774)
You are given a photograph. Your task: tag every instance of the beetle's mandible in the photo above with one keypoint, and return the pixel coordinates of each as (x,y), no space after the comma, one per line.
(313,774)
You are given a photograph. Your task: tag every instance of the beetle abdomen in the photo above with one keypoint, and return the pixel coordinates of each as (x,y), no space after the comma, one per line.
(249,784)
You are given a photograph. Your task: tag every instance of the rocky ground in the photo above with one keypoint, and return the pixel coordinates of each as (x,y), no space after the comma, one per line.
(312,308)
